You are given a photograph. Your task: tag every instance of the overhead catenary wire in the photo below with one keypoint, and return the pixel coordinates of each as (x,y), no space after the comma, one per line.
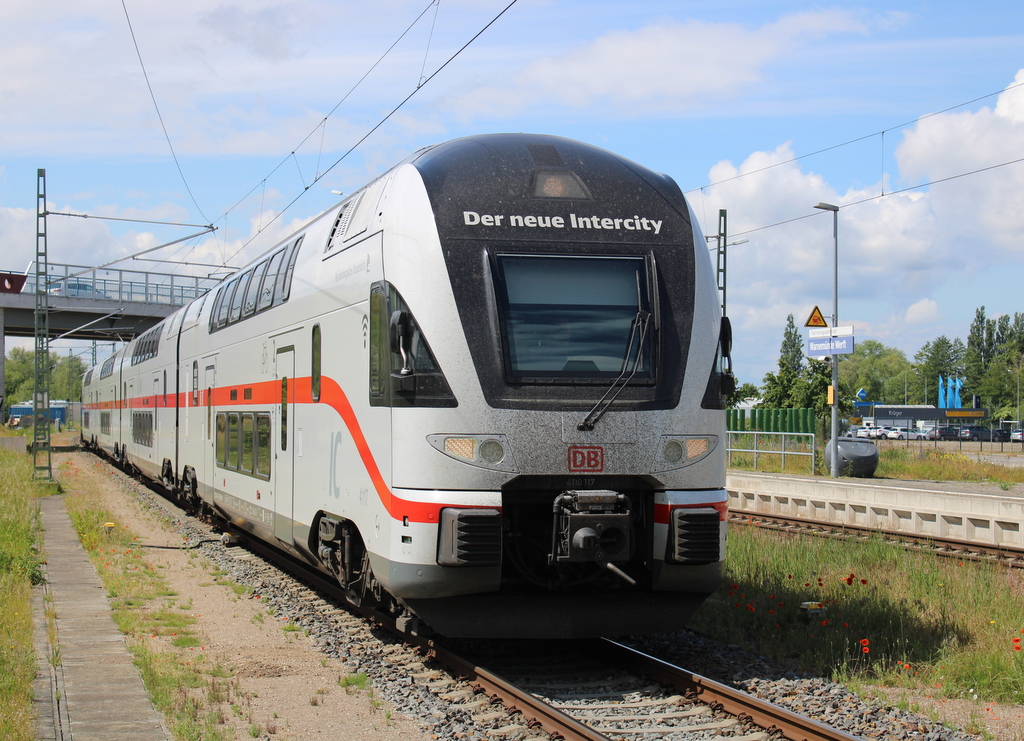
(380,123)
(856,139)
(880,196)
(323,121)
(160,117)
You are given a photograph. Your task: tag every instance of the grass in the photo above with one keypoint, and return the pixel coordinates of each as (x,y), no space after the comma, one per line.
(896,460)
(19,570)
(195,695)
(939,465)
(939,626)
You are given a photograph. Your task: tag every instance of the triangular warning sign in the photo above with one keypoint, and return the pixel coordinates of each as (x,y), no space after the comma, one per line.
(816,319)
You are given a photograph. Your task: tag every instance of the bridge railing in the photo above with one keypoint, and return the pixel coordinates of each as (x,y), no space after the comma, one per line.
(105,284)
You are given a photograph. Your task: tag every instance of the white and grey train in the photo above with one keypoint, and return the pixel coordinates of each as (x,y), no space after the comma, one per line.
(485,392)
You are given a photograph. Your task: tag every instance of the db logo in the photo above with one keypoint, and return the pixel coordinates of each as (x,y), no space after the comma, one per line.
(586,458)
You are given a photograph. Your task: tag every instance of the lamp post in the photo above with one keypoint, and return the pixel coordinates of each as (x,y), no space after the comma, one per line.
(835,323)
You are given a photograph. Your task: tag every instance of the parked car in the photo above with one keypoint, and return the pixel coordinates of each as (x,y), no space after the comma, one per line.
(984,434)
(864,432)
(76,289)
(944,433)
(904,433)
(1017,436)
(881,433)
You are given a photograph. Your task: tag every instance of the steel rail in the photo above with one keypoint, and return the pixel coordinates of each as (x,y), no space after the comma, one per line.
(535,712)
(1009,556)
(770,717)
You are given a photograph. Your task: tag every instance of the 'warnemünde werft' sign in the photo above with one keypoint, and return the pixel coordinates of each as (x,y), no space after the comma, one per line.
(829,346)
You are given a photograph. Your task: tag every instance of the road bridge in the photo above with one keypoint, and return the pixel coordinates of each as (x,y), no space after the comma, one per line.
(93,304)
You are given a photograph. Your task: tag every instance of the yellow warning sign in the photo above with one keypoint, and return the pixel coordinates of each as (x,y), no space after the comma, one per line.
(816,319)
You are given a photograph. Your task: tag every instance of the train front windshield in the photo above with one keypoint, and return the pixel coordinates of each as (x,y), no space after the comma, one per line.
(568,318)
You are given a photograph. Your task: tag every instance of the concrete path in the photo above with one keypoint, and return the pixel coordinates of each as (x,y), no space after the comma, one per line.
(93,692)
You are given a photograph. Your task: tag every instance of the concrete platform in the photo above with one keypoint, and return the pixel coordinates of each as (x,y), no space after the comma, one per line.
(94,692)
(982,513)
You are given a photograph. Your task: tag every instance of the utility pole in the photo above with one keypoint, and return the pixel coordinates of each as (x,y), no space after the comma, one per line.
(722,239)
(42,465)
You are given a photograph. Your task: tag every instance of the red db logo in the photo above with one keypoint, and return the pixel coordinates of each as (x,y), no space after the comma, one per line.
(586,458)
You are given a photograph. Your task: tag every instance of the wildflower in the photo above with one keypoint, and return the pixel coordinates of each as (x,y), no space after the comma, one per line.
(771,612)
(1016,647)
(866,650)
(864,641)
(824,622)
(863,581)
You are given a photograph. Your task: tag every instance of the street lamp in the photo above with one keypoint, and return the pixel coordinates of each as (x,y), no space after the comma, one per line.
(835,323)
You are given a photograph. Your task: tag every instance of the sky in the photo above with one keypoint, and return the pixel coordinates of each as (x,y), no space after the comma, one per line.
(909,116)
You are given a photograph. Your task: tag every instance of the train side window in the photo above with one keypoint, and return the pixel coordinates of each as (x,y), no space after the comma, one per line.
(378,343)
(315,356)
(248,428)
(239,297)
(223,302)
(222,443)
(252,292)
(232,440)
(284,413)
(195,383)
(285,282)
(269,281)
(263,445)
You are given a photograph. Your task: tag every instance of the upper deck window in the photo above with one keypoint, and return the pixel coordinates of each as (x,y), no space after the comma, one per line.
(572,318)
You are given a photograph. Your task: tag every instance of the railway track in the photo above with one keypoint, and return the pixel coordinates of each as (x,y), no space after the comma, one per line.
(581,690)
(951,547)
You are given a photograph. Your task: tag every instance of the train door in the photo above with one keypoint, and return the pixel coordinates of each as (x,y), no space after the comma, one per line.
(128,418)
(209,438)
(285,445)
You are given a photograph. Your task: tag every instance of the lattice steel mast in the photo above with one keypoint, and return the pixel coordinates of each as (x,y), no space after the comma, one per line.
(41,397)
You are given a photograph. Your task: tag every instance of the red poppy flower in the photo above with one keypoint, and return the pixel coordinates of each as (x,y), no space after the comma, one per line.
(864,641)
(866,650)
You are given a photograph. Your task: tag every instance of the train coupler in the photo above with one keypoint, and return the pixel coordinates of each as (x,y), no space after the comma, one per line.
(592,526)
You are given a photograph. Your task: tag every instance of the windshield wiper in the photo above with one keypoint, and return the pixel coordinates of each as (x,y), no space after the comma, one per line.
(641,323)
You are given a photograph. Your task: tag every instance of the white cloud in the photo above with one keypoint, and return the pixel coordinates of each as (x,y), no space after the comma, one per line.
(924,312)
(895,253)
(666,66)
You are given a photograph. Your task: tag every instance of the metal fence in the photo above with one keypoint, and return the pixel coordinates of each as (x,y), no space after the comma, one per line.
(779,445)
(81,281)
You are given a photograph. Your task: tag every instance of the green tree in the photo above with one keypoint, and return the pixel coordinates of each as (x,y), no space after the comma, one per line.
(876,368)
(940,357)
(19,376)
(19,372)
(778,387)
(981,350)
(745,391)
(792,351)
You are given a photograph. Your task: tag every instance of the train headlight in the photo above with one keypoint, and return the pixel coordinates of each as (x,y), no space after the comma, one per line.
(678,451)
(492,451)
(483,451)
